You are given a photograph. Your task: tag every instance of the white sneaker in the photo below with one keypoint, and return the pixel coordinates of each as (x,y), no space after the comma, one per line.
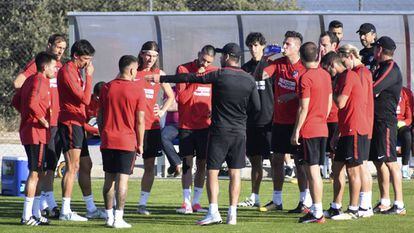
(72,216)
(210,219)
(97,214)
(347,215)
(120,223)
(365,213)
(248,203)
(109,222)
(185,209)
(143,210)
(231,219)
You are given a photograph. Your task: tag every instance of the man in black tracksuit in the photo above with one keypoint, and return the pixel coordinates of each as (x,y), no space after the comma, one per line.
(387,88)
(367,35)
(234,94)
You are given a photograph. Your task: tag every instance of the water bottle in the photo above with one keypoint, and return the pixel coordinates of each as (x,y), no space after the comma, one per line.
(272,49)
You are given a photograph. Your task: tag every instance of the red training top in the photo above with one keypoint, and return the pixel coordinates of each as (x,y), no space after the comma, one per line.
(74,94)
(286,81)
(33,103)
(29,70)
(194,99)
(365,76)
(351,117)
(316,85)
(91,111)
(120,101)
(405,106)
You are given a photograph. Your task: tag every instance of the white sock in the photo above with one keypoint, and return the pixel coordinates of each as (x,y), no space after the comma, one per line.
(336,205)
(50,199)
(255,197)
(232,210)
(405,167)
(110,214)
(66,205)
(144,198)
(277,197)
(90,205)
(119,214)
(308,198)
(399,204)
(363,200)
(353,208)
(385,202)
(187,196)
(318,210)
(213,208)
(36,207)
(43,201)
(197,195)
(27,208)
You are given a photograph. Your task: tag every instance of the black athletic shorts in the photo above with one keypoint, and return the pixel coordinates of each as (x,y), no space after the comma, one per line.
(36,154)
(118,161)
(258,141)
(311,150)
(281,134)
(332,126)
(351,149)
(193,142)
(53,149)
(383,142)
(152,143)
(226,145)
(73,137)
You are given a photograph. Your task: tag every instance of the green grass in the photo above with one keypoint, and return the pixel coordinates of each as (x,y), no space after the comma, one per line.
(166,196)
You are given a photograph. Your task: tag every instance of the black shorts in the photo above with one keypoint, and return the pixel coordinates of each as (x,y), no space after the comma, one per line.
(383,142)
(193,142)
(281,134)
(351,149)
(118,161)
(332,126)
(53,149)
(36,154)
(73,137)
(311,150)
(226,145)
(152,143)
(258,141)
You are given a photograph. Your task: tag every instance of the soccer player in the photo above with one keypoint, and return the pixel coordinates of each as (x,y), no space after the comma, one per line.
(75,94)
(194,108)
(328,42)
(259,125)
(148,65)
(92,111)
(368,35)
(122,126)
(234,93)
(352,60)
(315,93)
(387,88)
(337,28)
(286,72)
(32,100)
(405,118)
(56,45)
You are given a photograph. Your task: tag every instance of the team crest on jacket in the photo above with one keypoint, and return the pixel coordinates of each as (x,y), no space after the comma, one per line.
(295,74)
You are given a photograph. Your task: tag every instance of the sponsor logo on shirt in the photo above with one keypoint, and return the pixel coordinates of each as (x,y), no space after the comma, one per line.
(149,93)
(287,84)
(202,91)
(53,83)
(261,85)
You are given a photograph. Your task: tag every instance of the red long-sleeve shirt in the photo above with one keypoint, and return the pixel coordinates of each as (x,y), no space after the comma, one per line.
(33,103)
(194,99)
(405,106)
(74,94)
(92,111)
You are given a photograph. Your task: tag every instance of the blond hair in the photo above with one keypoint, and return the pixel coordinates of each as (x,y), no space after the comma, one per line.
(348,49)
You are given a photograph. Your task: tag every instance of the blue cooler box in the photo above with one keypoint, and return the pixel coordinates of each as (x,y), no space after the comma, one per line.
(14,174)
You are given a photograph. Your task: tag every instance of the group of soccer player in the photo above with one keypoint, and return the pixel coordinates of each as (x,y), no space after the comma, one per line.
(316,98)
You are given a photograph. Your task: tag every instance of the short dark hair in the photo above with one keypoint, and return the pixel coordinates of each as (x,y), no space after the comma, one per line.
(335,24)
(309,52)
(125,61)
(147,46)
(294,34)
(208,50)
(97,88)
(42,59)
(81,48)
(56,38)
(254,37)
(329,59)
(332,37)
